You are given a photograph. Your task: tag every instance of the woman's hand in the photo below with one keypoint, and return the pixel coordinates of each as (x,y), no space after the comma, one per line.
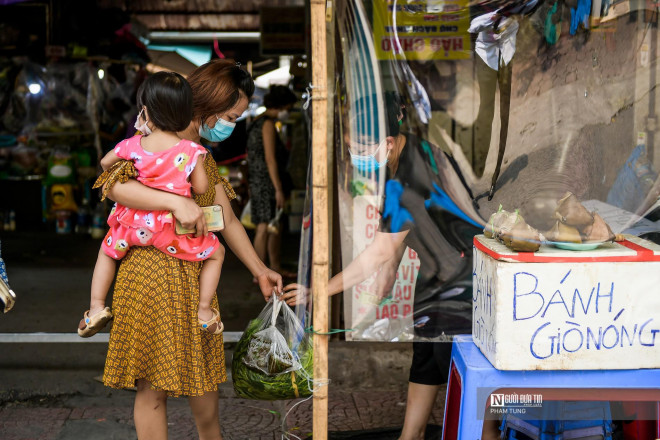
(189,214)
(269,282)
(279,199)
(295,294)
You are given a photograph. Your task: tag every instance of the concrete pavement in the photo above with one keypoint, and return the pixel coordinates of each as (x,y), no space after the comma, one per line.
(49,391)
(60,403)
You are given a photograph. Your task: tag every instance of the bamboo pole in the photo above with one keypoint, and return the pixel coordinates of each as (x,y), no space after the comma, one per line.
(320,215)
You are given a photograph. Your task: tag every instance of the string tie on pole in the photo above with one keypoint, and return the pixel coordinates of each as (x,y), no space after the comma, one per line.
(309,95)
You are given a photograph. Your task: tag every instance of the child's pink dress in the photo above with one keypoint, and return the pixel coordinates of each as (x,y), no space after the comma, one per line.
(168,171)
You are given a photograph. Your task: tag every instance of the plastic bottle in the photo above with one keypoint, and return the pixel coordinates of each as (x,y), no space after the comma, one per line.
(84,218)
(12,220)
(63,222)
(5,222)
(98,222)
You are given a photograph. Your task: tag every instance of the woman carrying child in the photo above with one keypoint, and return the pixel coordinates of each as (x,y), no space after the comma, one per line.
(165,162)
(156,342)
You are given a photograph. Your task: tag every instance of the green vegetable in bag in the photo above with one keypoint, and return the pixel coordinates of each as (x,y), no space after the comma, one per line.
(273,359)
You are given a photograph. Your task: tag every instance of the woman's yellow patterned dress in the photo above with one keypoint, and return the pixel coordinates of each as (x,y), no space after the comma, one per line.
(155,334)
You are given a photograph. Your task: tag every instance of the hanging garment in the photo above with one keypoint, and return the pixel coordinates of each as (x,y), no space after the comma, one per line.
(580,15)
(551,30)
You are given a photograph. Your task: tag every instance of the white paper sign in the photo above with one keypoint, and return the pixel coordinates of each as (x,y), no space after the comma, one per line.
(567,315)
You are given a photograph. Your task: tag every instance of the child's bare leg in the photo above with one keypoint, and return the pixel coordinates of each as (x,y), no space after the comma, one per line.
(104,273)
(208,282)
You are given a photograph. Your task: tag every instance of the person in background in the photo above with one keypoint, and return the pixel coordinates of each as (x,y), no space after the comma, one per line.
(268,182)
(156,295)
(413,177)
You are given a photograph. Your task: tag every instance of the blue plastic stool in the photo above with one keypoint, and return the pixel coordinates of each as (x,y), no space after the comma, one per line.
(464,410)
(558,420)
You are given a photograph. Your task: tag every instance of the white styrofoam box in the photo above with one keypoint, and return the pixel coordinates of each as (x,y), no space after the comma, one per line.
(567,310)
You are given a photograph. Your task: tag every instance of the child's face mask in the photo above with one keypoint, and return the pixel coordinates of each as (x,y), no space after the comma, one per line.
(142,128)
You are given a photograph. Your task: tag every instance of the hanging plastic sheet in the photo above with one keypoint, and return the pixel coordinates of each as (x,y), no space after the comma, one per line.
(447,110)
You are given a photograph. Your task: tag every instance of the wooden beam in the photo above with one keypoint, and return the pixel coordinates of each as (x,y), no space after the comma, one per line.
(200,22)
(201,6)
(320,255)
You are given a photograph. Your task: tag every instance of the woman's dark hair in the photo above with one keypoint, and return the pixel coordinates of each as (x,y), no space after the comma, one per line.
(279,96)
(168,99)
(365,112)
(217,86)
(394,112)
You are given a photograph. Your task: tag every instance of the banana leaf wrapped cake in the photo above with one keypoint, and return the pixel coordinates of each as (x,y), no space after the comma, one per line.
(573,223)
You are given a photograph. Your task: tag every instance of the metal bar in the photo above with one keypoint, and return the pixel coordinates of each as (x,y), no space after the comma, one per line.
(175,36)
(54,338)
(201,12)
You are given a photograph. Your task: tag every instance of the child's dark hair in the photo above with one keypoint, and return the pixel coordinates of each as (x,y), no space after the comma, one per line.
(168,99)
(279,96)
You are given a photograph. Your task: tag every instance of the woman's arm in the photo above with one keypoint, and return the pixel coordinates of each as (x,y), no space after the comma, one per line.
(384,248)
(198,178)
(268,133)
(386,278)
(239,242)
(133,194)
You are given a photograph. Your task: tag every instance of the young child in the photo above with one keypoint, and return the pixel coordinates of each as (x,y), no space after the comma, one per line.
(165,162)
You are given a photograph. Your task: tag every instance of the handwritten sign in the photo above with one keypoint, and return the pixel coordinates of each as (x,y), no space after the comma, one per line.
(588,315)
(422,30)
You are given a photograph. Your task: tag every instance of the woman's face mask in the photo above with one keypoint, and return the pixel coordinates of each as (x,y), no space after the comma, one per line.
(142,128)
(368,163)
(283,115)
(221,131)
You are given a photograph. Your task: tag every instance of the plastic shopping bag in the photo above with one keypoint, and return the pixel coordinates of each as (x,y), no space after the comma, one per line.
(246,216)
(273,359)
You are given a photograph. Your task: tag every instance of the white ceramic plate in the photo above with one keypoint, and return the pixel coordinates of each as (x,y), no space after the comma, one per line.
(574,246)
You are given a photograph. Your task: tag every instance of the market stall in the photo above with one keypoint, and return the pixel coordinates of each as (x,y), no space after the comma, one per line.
(504,104)
(60,110)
